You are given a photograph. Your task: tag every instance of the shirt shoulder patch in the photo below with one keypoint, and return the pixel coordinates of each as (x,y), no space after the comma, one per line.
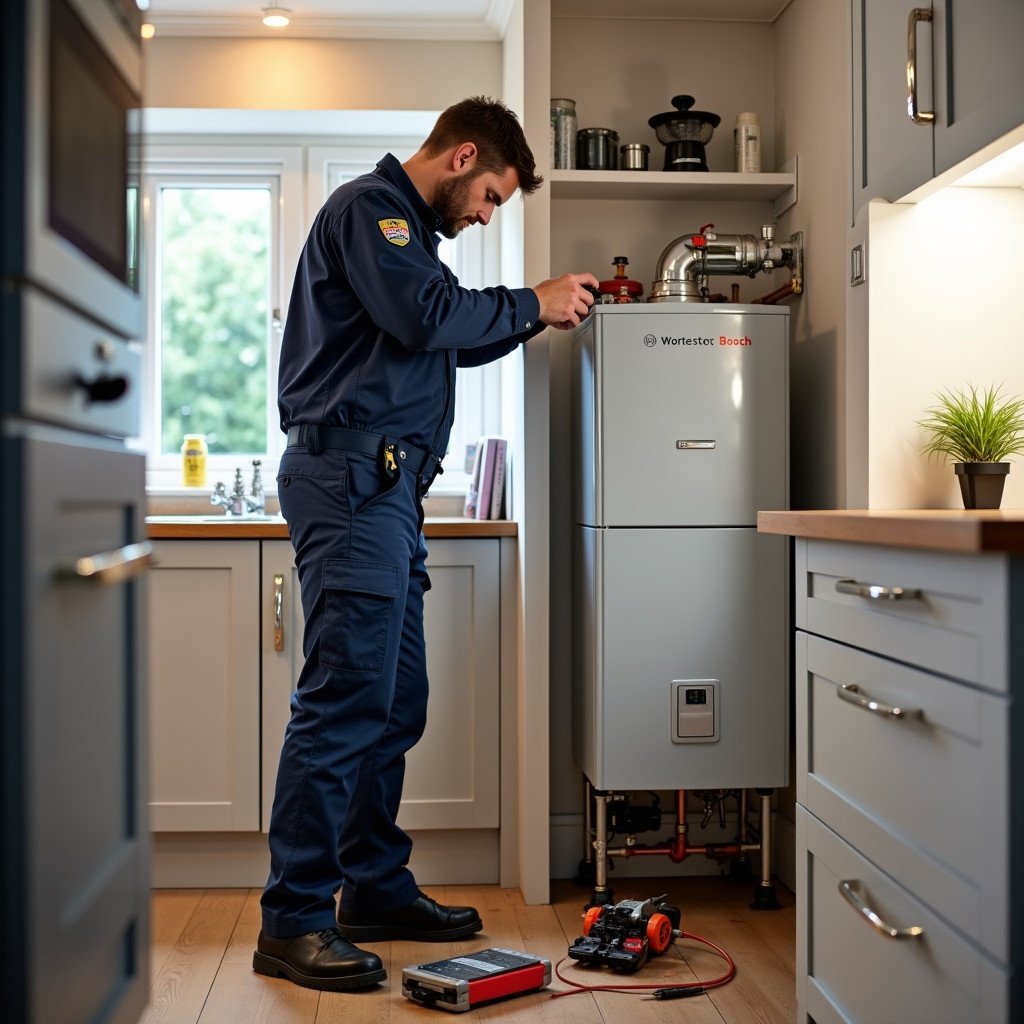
(395,230)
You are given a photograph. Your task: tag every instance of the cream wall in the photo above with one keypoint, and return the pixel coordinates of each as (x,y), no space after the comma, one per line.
(944,279)
(313,74)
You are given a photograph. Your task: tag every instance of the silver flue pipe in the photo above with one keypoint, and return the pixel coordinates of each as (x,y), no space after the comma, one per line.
(686,263)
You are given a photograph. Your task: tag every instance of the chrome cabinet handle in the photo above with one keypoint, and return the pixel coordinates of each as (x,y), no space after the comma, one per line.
(853,694)
(915,115)
(278,612)
(849,887)
(109,567)
(877,593)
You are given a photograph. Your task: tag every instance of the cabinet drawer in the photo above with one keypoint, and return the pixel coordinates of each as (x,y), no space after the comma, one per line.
(952,618)
(926,797)
(848,971)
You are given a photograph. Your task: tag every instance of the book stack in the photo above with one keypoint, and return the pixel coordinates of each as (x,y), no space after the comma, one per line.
(487,497)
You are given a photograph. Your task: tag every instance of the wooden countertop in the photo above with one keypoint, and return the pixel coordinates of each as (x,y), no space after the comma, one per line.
(185,527)
(1000,530)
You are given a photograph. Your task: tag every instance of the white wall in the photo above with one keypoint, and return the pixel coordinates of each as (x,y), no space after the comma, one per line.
(944,279)
(812,102)
(314,74)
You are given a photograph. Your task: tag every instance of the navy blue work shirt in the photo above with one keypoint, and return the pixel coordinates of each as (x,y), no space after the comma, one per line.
(377,323)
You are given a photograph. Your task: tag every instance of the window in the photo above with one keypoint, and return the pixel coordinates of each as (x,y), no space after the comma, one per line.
(223,227)
(219,223)
(213,268)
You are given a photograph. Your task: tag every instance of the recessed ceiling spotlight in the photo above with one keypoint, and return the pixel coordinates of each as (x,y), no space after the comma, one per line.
(275,17)
(148,31)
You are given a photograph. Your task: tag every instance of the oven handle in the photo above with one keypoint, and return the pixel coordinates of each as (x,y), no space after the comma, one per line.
(109,567)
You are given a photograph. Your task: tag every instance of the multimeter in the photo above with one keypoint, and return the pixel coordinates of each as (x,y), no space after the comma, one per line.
(462,982)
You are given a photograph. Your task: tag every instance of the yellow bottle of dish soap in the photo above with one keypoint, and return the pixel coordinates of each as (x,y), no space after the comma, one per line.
(193,460)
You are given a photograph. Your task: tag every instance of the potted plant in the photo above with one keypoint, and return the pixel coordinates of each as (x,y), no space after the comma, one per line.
(977,431)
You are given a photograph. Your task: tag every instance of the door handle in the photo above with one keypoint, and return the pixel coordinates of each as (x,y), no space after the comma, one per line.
(917,116)
(278,611)
(109,567)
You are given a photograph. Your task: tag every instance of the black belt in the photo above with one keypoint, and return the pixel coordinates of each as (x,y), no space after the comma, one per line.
(393,450)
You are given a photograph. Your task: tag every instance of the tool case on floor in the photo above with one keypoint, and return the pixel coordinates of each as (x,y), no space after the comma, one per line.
(462,982)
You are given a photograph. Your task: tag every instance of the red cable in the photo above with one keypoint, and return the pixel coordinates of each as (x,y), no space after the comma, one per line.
(723,979)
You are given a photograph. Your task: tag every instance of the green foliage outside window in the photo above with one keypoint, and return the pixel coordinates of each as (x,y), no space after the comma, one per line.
(214,282)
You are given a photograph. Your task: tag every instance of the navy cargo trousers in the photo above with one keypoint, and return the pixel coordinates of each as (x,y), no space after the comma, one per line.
(361,699)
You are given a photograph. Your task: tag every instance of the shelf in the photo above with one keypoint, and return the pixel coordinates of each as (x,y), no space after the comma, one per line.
(778,188)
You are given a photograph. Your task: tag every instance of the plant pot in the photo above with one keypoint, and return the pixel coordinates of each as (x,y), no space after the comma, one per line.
(981,483)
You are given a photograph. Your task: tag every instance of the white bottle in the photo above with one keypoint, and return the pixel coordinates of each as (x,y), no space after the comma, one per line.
(746,138)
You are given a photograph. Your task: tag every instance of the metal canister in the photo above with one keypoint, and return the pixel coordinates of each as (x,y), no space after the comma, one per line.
(597,149)
(634,156)
(563,134)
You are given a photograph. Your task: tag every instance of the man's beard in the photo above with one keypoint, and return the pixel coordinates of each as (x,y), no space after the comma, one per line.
(450,204)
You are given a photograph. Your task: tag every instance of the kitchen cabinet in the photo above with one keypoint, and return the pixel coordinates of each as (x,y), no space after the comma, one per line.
(225,653)
(72,727)
(968,76)
(204,671)
(909,737)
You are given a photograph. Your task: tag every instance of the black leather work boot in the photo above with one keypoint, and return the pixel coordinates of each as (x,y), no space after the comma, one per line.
(423,920)
(323,959)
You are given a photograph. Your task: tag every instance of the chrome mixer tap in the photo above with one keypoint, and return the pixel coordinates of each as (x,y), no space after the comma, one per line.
(238,503)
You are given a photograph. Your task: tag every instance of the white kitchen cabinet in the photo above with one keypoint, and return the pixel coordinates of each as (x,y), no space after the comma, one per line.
(906,803)
(204,677)
(225,653)
(968,75)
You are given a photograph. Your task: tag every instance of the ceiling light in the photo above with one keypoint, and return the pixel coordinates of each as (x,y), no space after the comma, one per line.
(275,17)
(148,31)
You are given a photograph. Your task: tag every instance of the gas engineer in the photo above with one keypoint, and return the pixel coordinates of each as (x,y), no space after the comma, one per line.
(376,327)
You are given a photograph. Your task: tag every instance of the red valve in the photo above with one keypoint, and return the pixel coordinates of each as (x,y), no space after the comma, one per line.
(700,241)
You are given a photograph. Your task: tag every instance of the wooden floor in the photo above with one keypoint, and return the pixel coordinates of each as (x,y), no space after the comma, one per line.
(203,941)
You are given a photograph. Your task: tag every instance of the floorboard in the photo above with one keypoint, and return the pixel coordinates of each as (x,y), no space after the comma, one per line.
(202,944)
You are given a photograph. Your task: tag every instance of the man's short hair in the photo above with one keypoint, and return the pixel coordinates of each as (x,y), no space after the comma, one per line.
(497,134)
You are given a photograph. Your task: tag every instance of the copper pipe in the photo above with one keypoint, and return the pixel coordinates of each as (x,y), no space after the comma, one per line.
(668,849)
(791,287)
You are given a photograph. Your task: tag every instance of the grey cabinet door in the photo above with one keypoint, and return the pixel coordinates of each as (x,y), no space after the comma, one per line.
(74,848)
(980,76)
(891,154)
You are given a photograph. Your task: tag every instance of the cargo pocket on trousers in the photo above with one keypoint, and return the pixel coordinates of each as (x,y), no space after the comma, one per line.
(359,598)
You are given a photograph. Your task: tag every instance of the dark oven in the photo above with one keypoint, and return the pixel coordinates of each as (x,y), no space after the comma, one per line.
(81,158)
